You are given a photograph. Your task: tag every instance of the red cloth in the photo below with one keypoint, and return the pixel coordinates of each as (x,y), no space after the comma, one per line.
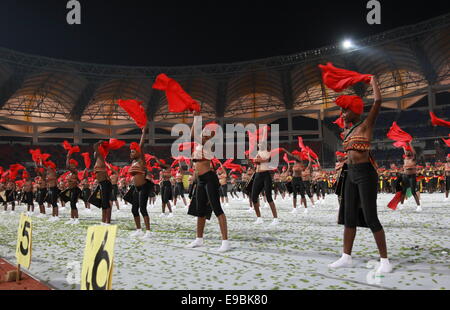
(35,155)
(87,160)
(437,121)
(352,103)
(111,145)
(135,110)
(340,79)
(447,141)
(179,101)
(45,157)
(275,152)
(73,162)
(301,145)
(403,145)
(14,170)
(311,153)
(395,201)
(70,149)
(340,122)
(286,159)
(25,175)
(397,134)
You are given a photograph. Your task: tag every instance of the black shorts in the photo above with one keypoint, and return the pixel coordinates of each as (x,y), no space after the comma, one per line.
(166,192)
(206,198)
(359,204)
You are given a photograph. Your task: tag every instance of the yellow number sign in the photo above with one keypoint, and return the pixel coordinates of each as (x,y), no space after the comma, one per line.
(96,273)
(23,249)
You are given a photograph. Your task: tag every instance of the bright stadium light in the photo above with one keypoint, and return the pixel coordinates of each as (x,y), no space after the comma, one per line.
(347,44)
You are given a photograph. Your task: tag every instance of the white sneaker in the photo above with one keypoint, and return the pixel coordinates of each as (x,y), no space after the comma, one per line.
(344,262)
(137,233)
(147,235)
(294,211)
(306,211)
(162,215)
(69,222)
(198,242)
(275,222)
(224,247)
(259,221)
(250,210)
(170,215)
(76,222)
(419,209)
(56,219)
(385,266)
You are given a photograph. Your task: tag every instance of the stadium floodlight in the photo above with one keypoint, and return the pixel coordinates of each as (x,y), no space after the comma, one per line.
(347,44)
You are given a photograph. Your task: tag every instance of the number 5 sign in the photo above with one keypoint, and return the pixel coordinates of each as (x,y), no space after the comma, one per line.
(23,249)
(97,270)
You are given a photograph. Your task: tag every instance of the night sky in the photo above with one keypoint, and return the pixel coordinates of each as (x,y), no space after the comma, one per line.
(142,32)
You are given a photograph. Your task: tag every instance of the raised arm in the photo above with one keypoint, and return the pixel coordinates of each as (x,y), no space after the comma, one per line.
(375,110)
(97,153)
(142,142)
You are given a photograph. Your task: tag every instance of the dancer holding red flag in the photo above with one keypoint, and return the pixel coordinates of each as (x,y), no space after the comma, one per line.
(359,200)
(410,175)
(141,187)
(206,198)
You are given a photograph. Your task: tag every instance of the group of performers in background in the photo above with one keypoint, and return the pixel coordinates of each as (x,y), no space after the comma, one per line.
(203,184)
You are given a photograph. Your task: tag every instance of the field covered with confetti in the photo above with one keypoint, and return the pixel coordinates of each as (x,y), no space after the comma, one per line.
(291,256)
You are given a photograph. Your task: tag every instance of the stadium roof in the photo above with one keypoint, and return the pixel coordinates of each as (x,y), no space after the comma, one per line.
(407,61)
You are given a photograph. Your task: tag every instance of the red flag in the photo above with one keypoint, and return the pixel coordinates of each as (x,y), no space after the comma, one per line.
(14,170)
(135,110)
(301,145)
(286,159)
(340,122)
(179,101)
(25,175)
(437,121)
(35,155)
(352,103)
(112,144)
(403,145)
(447,142)
(397,134)
(87,160)
(50,164)
(70,149)
(395,201)
(73,162)
(340,79)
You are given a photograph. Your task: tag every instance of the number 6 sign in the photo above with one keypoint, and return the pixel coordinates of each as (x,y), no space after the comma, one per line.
(96,273)
(23,249)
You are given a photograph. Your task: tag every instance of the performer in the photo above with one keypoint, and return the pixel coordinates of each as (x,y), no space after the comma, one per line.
(360,187)
(298,186)
(166,187)
(206,198)
(73,189)
(409,175)
(179,186)
(28,192)
(52,189)
(142,187)
(223,180)
(263,181)
(104,182)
